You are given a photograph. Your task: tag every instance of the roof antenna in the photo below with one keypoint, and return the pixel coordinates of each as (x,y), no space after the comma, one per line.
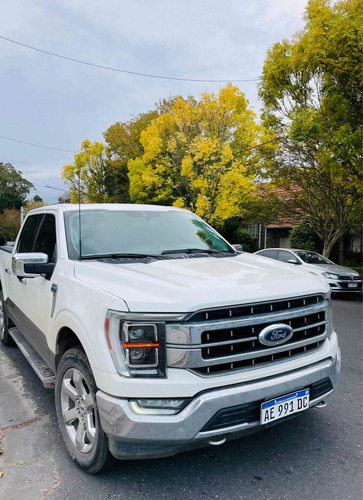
(79,215)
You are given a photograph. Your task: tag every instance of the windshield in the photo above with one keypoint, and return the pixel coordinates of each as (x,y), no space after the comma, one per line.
(312,257)
(137,232)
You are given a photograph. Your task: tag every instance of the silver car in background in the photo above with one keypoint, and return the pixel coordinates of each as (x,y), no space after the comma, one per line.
(340,278)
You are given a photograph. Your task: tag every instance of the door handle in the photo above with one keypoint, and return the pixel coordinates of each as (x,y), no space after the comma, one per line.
(7,270)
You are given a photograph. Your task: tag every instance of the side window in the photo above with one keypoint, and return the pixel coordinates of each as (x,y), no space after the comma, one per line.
(272,254)
(28,233)
(285,256)
(46,238)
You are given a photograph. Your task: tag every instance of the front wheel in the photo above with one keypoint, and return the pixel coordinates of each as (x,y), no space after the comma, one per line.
(5,337)
(77,413)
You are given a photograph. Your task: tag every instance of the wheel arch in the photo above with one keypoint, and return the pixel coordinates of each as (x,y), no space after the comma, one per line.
(66,339)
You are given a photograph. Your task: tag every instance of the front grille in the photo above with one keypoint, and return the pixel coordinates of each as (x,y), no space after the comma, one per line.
(345,285)
(226,339)
(356,278)
(250,412)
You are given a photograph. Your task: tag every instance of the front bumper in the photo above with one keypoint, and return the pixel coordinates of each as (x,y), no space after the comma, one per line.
(346,286)
(138,436)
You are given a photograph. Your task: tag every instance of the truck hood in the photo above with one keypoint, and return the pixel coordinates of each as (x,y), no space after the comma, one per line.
(185,285)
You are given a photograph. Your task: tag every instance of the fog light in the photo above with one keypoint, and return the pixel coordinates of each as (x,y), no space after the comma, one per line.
(161,406)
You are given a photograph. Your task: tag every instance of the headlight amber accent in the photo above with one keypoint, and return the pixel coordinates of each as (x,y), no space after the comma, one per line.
(137,342)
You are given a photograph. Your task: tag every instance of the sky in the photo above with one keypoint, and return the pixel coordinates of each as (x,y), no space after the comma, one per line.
(58,103)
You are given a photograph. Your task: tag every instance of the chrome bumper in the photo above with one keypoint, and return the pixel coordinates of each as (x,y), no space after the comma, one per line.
(135,436)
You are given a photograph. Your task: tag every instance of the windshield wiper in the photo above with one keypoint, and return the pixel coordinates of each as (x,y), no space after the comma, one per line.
(122,256)
(194,250)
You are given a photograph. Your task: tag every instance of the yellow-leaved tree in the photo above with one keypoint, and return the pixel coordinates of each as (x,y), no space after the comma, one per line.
(200,155)
(89,174)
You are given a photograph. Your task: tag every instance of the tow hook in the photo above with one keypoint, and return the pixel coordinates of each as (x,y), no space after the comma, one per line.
(322,404)
(217,440)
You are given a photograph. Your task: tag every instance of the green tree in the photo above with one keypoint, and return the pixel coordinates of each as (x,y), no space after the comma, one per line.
(13,187)
(311,89)
(200,155)
(302,236)
(10,200)
(243,237)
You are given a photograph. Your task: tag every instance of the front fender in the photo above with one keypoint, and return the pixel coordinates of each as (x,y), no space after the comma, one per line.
(90,331)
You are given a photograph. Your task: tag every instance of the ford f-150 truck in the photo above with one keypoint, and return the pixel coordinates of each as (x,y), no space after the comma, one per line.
(156,334)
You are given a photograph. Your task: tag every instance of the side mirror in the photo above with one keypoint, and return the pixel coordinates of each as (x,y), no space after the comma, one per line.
(238,247)
(31,265)
(293,261)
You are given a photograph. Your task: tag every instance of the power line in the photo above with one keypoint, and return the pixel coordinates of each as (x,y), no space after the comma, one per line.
(70,151)
(36,145)
(148,75)
(26,175)
(57,189)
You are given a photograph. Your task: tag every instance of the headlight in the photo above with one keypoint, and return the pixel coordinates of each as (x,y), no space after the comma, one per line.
(137,342)
(330,276)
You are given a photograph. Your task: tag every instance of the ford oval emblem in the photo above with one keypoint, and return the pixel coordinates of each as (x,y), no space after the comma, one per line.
(275,334)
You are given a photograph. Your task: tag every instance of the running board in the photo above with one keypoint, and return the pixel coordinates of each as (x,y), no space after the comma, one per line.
(43,371)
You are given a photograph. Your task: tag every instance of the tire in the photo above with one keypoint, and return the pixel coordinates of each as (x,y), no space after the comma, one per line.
(77,412)
(5,337)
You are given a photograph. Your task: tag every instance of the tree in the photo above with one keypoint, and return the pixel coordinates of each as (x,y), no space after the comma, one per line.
(13,187)
(37,198)
(311,89)
(243,237)
(90,175)
(32,205)
(10,200)
(123,144)
(302,236)
(9,225)
(199,155)
(99,172)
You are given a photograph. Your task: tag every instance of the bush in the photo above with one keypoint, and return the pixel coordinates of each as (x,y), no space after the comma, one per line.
(243,237)
(302,236)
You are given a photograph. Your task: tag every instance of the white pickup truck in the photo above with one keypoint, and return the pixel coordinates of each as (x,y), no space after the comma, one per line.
(159,336)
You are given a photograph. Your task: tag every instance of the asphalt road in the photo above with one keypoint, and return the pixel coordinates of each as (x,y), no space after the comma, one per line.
(315,456)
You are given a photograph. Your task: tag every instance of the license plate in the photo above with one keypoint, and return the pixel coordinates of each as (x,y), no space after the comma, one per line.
(284,406)
(352,285)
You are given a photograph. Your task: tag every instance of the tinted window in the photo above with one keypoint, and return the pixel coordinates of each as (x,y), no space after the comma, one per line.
(46,238)
(28,233)
(285,256)
(272,254)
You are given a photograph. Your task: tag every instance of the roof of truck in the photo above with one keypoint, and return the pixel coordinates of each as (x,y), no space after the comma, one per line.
(66,207)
